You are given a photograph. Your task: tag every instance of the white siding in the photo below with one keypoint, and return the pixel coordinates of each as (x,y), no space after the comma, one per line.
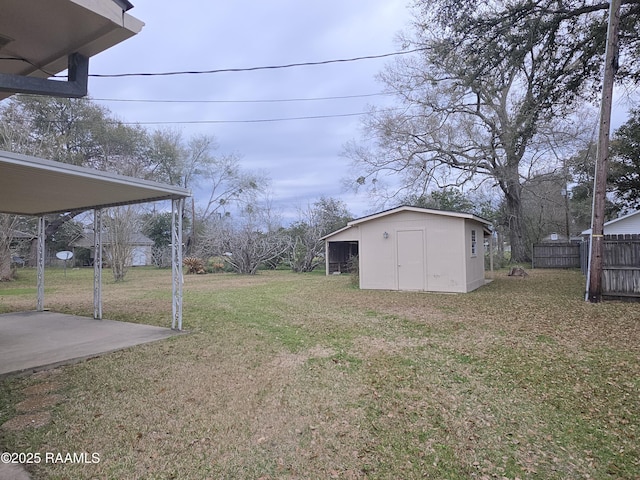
(445,261)
(625,225)
(139,256)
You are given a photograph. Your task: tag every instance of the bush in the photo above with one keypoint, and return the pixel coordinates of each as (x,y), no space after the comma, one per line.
(216,265)
(194,265)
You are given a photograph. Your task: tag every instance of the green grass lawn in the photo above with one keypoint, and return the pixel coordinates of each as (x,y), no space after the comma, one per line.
(288,375)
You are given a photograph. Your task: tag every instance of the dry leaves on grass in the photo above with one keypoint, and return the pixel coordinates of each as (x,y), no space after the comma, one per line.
(302,376)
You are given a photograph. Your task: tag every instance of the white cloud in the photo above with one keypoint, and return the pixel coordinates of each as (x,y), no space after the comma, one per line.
(302,157)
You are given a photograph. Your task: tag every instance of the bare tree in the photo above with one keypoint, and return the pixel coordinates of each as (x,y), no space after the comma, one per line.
(7,227)
(488,77)
(252,239)
(196,164)
(121,224)
(450,133)
(307,249)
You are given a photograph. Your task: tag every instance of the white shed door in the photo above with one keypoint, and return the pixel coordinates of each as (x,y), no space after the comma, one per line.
(411,264)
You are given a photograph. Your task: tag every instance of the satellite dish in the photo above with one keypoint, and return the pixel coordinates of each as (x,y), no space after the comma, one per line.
(64,255)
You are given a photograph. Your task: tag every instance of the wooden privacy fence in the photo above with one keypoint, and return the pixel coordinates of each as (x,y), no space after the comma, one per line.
(621,262)
(621,265)
(556,255)
(621,271)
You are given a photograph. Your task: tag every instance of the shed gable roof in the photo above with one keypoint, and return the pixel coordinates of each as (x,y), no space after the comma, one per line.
(87,240)
(406,208)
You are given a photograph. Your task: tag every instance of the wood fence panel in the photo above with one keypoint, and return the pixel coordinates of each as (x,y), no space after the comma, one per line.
(584,256)
(621,262)
(621,270)
(556,255)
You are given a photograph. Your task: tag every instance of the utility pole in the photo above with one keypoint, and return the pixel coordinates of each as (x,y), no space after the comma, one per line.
(594,277)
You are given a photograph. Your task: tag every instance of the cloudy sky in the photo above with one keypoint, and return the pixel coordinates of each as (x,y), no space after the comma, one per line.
(302,157)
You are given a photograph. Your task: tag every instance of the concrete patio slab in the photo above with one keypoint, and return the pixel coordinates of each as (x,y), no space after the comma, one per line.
(32,341)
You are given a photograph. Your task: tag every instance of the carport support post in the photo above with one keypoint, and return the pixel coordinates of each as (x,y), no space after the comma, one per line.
(40,265)
(97,264)
(177,206)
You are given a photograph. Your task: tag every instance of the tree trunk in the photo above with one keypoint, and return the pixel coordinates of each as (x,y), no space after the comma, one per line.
(5,265)
(519,252)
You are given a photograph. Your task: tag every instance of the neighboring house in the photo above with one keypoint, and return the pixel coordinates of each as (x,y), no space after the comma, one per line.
(141,253)
(411,248)
(627,224)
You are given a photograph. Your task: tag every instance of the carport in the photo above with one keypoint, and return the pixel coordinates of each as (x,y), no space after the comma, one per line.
(33,186)
(38,40)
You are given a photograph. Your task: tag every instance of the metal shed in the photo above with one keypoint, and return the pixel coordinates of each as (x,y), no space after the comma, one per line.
(411,248)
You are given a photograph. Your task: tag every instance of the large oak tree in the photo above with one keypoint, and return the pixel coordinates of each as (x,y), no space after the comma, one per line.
(487,94)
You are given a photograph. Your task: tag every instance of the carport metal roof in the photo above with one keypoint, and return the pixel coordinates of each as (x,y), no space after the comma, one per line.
(34,186)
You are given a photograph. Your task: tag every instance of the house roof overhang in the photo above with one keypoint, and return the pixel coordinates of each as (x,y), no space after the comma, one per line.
(34,186)
(38,38)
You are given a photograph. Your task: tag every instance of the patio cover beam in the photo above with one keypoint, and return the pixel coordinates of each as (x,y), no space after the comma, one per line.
(177,207)
(97,264)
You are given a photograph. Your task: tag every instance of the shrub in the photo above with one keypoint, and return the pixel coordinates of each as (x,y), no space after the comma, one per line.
(216,265)
(194,265)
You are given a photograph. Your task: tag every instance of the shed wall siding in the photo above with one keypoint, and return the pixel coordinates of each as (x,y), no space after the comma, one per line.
(377,256)
(351,234)
(445,248)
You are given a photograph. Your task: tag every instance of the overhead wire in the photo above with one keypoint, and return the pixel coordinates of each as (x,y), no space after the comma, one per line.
(249,69)
(258,120)
(252,69)
(278,100)
(261,120)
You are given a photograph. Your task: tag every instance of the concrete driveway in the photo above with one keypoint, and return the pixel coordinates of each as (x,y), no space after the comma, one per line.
(31,341)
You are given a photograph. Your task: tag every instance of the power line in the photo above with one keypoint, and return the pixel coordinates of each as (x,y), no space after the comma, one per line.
(280,100)
(259,120)
(251,69)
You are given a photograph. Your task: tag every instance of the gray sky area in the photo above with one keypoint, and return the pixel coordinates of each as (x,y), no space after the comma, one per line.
(302,157)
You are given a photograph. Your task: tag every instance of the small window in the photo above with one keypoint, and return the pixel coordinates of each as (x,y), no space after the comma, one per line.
(473,243)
